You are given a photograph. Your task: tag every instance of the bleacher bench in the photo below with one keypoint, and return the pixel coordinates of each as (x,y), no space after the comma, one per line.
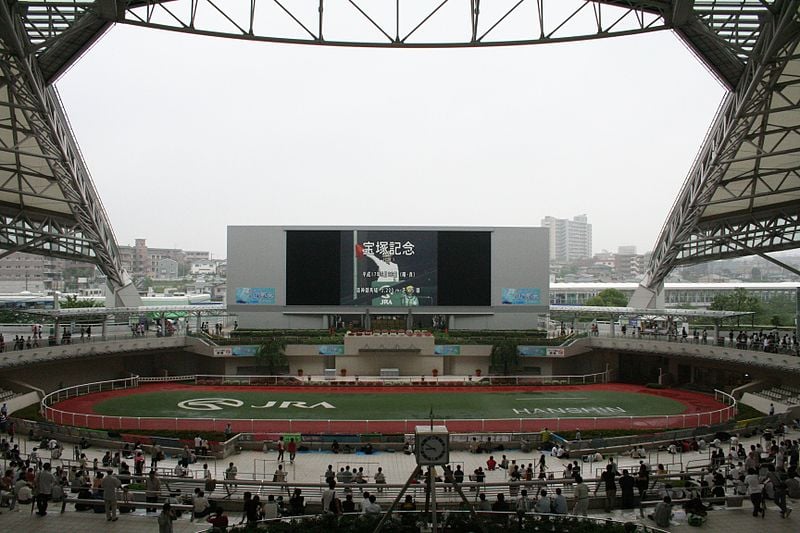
(135,505)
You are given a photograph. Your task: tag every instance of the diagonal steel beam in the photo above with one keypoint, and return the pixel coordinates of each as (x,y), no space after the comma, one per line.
(90,237)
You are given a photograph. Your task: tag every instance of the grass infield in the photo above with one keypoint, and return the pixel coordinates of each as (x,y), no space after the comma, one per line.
(389,406)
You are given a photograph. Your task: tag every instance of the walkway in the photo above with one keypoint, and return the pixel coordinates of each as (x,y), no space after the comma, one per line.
(397,466)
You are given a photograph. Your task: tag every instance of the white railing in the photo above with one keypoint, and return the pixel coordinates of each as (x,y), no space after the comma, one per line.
(582,379)
(166,379)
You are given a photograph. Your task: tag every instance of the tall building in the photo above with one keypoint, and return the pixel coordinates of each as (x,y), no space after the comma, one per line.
(24,272)
(570,240)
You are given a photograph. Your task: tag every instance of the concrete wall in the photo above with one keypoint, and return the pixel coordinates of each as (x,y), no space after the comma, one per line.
(95,348)
(50,376)
(754,362)
(763,404)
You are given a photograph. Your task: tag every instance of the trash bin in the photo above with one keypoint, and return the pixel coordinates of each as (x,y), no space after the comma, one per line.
(720,341)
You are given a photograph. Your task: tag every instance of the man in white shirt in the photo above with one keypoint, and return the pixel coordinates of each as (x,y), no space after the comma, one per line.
(280,475)
(270,507)
(754,489)
(24,492)
(200,504)
(179,470)
(371,508)
(328,496)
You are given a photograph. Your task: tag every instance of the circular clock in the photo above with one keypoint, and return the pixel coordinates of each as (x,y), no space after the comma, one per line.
(432,449)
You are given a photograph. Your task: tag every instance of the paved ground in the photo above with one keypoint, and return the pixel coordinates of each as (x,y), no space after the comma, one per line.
(397,466)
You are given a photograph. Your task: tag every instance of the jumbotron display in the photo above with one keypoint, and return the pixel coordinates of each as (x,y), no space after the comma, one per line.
(388,268)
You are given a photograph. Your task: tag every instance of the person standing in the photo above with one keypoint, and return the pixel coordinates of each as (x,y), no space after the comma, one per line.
(157,455)
(581,497)
(779,490)
(608,479)
(297,503)
(152,487)
(329,504)
(642,483)
(165,519)
(110,484)
(230,475)
(754,490)
(43,482)
(291,447)
(281,448)
(626,486)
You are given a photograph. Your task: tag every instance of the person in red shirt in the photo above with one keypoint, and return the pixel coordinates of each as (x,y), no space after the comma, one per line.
(138,463)
(218,519)
(491,464)
(291,447)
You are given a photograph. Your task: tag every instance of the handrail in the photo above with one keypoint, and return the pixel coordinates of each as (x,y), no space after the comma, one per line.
(492,516)
(334,426)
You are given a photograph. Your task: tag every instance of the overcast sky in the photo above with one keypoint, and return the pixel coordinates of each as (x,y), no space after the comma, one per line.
(185,135)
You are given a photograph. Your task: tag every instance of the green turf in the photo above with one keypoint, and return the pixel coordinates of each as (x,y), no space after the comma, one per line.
(392,406)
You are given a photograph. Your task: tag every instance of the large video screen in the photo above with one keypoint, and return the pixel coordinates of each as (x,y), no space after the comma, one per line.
(388,268)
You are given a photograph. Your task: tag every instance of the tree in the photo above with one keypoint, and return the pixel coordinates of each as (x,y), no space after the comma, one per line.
(608,298)
(504,354)
(272,355)
(738,300)
(72,302)
(780,310)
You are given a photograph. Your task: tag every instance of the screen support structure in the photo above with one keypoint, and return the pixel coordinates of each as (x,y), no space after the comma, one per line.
(430,500)
(49,170)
